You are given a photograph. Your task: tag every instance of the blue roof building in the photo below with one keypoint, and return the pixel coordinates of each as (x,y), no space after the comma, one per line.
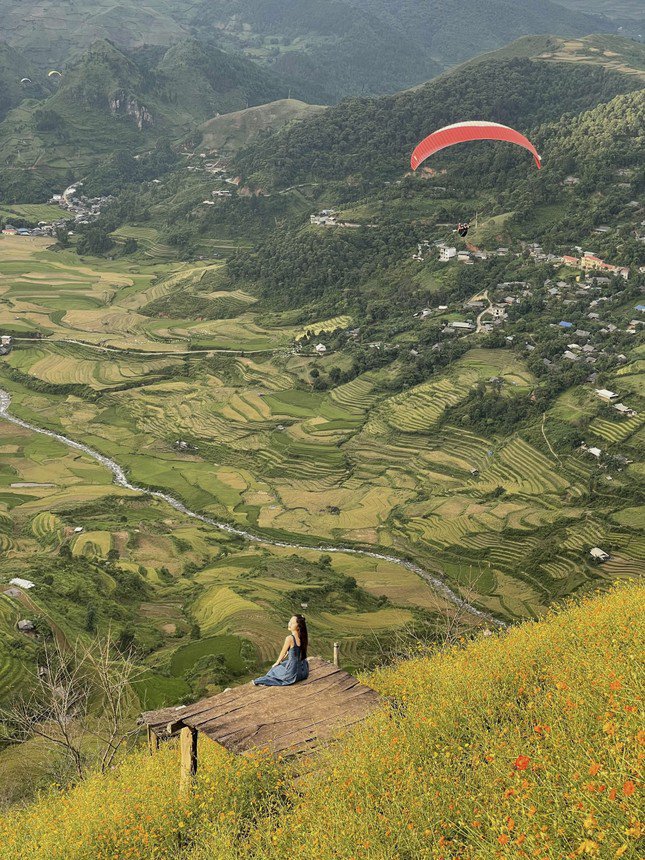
(564,324)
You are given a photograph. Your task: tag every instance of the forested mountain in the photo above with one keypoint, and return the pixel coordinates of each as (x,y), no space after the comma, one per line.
(629,15)
(107,101)
(333,48)
(452,37)
(205,81)
(370,139)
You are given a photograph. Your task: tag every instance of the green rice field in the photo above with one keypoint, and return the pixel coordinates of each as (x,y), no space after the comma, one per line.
(499,517)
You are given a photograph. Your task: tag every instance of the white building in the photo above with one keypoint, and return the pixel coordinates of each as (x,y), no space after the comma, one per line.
(599,554)
(321,349)
(22,583)
(463,326)
(446,254)
(607,395)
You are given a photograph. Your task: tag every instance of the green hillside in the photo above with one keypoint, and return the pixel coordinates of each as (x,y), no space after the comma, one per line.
(52,32)
(609,51)
(226,134)
(13,67)
(453,37)
(202,81)
(107,101)
(372,139)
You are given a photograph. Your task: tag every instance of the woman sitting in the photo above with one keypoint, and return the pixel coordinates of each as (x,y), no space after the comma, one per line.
(291,666)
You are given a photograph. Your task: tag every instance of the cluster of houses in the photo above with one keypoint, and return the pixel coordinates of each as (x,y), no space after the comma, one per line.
(590,262)
(79,209)
(469,258)
(6,344)
(612,398)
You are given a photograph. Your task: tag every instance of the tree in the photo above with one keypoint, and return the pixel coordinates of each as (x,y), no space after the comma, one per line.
(94,241)
(62,237)
(79,693)
(90,619)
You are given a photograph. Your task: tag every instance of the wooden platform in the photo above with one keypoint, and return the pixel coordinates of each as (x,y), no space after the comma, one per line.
(285,720)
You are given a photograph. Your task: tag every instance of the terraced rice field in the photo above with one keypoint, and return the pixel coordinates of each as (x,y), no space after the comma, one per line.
(63,366)
(266,451)
(48,528)
(93,544)
(616,431)
(13,671)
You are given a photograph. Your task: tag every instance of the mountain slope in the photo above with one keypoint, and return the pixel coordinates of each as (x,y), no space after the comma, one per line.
(108,101)
(453,37)
(525,742)
(372,139)
(13,67)
(50,31)
(226,134)
(614,53)
(202,80)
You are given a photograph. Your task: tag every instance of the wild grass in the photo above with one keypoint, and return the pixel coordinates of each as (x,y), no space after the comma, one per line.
(523,744)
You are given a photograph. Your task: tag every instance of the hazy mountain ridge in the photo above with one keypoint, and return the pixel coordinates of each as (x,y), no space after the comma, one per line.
(333,48)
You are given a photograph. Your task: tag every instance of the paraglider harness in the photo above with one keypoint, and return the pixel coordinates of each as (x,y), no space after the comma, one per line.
(462,229)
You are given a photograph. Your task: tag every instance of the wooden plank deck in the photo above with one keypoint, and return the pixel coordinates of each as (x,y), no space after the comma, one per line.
(285,720)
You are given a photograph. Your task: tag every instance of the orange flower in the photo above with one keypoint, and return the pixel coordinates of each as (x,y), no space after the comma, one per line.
(615,685)
(503,838)
(594,768)
(628,788)
(521,762)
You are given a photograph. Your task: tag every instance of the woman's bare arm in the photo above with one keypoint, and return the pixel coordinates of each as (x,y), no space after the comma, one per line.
(288,642)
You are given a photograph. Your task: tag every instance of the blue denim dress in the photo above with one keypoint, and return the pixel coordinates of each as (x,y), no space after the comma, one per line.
(292,669)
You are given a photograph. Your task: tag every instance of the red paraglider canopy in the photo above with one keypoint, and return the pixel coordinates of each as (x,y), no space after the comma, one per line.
(463,131)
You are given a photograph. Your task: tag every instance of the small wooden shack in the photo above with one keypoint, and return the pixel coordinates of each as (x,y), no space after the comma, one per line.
(285,720)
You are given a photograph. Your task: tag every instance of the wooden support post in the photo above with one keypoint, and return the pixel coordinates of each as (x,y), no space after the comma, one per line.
(337,654)
(188,747)
(153,741)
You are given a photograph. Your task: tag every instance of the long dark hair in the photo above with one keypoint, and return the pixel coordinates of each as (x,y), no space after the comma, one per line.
(303,634)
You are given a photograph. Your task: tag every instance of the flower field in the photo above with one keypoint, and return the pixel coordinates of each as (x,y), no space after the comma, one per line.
(524,744)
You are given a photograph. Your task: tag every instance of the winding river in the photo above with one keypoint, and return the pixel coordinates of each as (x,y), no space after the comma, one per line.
(121,480)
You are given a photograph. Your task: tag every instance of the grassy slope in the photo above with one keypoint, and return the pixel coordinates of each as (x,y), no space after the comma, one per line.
(226,134)
(611,52)
(524,744)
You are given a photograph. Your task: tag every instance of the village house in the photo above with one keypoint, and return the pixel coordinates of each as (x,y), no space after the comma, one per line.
(625,410)
(26,626)
(605,394)
(320,348)
(599,554)
(22,583)
(446,254)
